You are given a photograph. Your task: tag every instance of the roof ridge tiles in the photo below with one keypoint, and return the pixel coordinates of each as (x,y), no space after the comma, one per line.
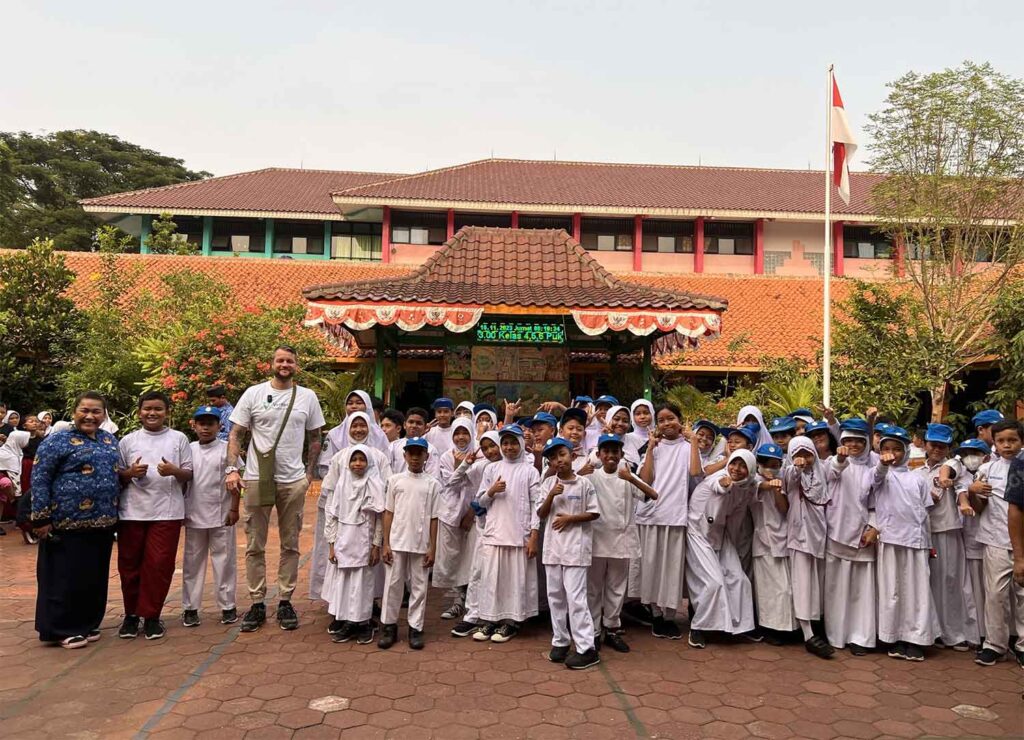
(413,176)
(172,186)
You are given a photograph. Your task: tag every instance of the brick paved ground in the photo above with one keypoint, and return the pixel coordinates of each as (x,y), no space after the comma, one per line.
(213,682)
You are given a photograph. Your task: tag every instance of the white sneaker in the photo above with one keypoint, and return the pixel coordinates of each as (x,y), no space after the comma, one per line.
(455,611)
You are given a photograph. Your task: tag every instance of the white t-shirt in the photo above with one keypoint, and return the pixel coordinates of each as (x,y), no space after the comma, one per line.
(154,497)
(572,545)
(993,522)
(614,532)
(413,499)
(207,502)
(261,410)
(671,481)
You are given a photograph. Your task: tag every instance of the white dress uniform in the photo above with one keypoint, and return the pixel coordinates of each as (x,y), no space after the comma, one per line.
(973,550)
(567,556)
(808,494)
(616,541)
(207,505)
(454,555)
(773,585)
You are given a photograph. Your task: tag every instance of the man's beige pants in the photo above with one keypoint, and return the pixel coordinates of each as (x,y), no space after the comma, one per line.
(289,503)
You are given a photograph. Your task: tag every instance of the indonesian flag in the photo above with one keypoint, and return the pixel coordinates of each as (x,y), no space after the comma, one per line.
(843,145)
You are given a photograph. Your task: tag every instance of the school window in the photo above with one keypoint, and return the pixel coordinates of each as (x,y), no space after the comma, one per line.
(668,237)
(863,242)
(189,228)
(239,235)
(499,220)
(724,237)
(546,222)
(352,240)
(298,237)
(607,234)
(418,227)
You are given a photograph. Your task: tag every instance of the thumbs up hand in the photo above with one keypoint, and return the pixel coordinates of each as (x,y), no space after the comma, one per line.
(165,468)
(497,487)
(138,469)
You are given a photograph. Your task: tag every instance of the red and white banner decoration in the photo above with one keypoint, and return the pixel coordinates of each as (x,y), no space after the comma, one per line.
(358,317)
(844,144)
(691,324)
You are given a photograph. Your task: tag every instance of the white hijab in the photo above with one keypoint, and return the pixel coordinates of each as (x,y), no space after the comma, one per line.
(354,496)
(463,423)
(468,405)
(817,477)
(763,437)
(339,437)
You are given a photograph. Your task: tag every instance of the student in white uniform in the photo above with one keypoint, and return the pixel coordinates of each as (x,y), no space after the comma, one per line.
(851,612)
(806,488)
(617,422)
(752,415)
(901,498)
(641,412)
(440,434)
(485,419)
(411,501)
(952,594)
(355,504)
(415,426)
(510,494)
(597,424)
(455,521)
(210,517)
(1003,597)
(773,585)
(465,411)
(782,429)
(616,540)
(720,591)
(569,506)
(706,457)
(662,522)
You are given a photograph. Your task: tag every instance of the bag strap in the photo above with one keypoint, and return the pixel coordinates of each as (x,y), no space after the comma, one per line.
(284,423)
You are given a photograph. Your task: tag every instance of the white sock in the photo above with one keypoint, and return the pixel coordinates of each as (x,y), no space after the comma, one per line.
(805,625)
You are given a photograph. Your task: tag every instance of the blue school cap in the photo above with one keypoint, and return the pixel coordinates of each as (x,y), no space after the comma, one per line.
(579,414)
(609,439)
(443,403)
(771,451)
(206,411)
(974,445)
(416,442)
(706,424)
(554,443)
(940,433)
(854,424)
(749,433)
(583,399)
(816,426)
(781,424)
(986,417)
(801,413)
(898,433)
(541,417)
(884,427)
(513,429)
(610,400)
(484,407)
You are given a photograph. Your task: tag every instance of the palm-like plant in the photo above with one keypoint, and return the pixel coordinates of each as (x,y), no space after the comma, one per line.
(782,396)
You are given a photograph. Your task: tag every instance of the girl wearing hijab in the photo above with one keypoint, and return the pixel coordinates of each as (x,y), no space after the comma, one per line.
(10,422)
(45,421)
(773,583)
(355,491)
(806,488)
(617,422)
(464,410)
(752,415)
(641,412)
(455,521)
(720,591)
(850,601)
(485,420)
(901,499)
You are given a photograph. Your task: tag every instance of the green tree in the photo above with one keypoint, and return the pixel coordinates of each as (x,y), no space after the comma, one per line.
(42,178)
(952,146)
(165,239)
(38,322)
(1008,324)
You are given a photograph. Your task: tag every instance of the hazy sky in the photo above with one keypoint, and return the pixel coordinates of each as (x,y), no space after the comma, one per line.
(406,86)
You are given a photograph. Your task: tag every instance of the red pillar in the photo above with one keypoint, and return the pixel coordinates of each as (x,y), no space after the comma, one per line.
(451,223)
(385,236)
(638,243)
(514,221)
(899,254)
(837,249)
(577,227)
(698,244)
(759,247)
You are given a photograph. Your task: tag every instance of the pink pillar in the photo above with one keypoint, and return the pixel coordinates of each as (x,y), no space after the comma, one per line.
(577,226)
(759,247)
(638,243)
(698,244)
(837,249)
(385,236)
(514,221)
(451,223)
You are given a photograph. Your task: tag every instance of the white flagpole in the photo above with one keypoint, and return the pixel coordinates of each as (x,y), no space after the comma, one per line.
(826,384)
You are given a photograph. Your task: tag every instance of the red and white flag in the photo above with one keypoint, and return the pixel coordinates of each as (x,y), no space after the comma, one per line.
(843,145)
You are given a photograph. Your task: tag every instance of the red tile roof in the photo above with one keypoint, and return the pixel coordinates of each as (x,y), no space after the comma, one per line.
(513,267)
(273,190)
(632,186)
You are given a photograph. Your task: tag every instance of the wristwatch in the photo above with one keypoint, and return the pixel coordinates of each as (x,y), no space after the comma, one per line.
(230,469)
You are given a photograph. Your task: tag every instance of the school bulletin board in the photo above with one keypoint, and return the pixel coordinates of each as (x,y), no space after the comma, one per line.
(490,374)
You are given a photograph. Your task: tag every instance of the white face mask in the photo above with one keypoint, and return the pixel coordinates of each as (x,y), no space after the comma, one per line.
(766,472)
(972,462)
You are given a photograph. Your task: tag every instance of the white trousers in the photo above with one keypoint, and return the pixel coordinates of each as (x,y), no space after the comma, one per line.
(952,591)
(570,613)
(606,590)
(405,565)
(808,578)
(1002,596)
(219,544)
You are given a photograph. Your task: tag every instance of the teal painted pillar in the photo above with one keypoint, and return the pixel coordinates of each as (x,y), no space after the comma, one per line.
(147,229)
(647,371)
(328,233)
(268,239)
(207,235)
(378,365)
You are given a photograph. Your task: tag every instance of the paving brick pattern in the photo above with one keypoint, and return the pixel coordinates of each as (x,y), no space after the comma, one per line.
(213,682)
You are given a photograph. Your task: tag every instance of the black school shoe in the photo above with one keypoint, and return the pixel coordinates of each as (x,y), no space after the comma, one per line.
(345,633)
(988,657)
(254,618)
(639,613)
(818,646)
(464,629)
(897,651)
(228,616)
(129,628)
(696,639)
(366,632)
(615,642)
(287,619)
(558,653)
(415,639)
(582,661)
(666,629)
(335,626)
(190,618)
(154,629)
(388,636)
(915,653)
(857,650)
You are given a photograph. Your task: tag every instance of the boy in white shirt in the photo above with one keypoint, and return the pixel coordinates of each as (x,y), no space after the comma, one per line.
(210,517)
(410,541)
(567,510)
(988,498)
(439,435)
(156,463)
